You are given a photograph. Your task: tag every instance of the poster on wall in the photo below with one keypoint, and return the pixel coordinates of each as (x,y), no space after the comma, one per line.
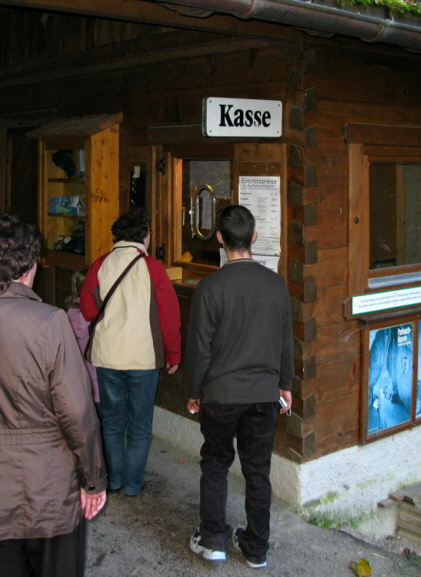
(389,401)
(262,196)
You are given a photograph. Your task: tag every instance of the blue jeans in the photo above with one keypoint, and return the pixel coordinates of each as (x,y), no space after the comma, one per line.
(126,414)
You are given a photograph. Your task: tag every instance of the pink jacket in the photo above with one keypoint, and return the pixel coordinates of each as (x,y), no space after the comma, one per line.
(81,329)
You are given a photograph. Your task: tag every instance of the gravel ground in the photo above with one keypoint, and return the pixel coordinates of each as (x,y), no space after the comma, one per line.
(148,535)
(390,543)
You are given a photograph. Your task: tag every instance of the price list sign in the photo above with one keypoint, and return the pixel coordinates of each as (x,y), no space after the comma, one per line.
(262,196)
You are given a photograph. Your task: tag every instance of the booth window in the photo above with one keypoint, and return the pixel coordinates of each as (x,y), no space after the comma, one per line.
(206,190)
(395,214)
(384,215)
(196,181)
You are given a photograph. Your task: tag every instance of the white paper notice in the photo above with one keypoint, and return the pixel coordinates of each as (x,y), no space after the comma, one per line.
(270,262)
(262,196)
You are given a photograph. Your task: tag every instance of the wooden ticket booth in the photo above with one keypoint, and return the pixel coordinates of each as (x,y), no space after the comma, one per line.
(343,176)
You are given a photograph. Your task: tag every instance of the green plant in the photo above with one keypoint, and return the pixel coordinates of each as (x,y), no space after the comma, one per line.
(327,498)
(335,520)
(393,7)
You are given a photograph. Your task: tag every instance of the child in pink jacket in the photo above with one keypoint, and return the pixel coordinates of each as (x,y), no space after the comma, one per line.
(81,328)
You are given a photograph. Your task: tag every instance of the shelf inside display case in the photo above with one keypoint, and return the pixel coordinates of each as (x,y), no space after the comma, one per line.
(66,204)
(64,260)
(66,180)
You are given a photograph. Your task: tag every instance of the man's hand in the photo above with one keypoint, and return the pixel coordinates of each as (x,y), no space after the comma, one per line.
(92,504)
(193,406)
(171,369)
(288,398)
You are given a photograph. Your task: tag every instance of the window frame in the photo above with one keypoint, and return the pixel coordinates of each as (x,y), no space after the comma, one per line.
(248,157)
(371,143)
(178,192)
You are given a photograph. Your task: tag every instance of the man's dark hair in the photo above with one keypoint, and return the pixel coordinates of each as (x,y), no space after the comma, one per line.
(236,225)
(132,226)
(20,247)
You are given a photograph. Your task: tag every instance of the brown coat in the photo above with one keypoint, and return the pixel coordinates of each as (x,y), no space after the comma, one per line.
(50,443)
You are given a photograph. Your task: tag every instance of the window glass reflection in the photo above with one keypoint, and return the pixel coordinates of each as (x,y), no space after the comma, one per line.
(206,187)
(395,214)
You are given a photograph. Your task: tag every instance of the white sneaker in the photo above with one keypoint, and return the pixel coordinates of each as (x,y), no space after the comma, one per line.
(253,562)
(209,554)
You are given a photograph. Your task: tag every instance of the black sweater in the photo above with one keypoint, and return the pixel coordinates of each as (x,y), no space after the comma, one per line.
(240,345)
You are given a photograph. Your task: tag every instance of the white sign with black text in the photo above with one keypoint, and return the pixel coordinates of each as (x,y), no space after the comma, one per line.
(385,300)
(241,117)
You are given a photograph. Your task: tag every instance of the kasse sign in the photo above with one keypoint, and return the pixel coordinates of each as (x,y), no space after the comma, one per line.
(241,117)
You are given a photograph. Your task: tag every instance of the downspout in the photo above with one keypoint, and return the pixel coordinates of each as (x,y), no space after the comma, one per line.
(361,22)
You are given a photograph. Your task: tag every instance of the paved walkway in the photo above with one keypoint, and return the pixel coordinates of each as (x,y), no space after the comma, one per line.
(148,535)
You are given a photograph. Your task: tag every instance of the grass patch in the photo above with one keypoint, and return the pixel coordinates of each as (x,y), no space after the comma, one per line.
(326,520)
(337,520)
(325,500)
(408,483)
(367,484)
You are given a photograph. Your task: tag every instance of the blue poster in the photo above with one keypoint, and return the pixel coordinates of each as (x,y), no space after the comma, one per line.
(390,378)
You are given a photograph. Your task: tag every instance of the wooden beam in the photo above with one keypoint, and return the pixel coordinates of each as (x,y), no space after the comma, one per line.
(131,53)
(358,220)
(154,13)
(6,123)
(383,134)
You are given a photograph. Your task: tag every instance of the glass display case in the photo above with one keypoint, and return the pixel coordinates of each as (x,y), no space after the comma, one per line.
(78,188)
(66,201)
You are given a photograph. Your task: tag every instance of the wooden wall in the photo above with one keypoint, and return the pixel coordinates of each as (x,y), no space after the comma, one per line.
(31,35)
(342,81)
(158,77)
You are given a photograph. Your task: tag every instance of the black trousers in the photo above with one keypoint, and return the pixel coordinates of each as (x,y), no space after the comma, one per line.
(254,426)
(60,556)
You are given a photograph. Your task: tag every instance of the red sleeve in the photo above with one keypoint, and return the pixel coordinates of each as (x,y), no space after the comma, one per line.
(88,305)
(168,310)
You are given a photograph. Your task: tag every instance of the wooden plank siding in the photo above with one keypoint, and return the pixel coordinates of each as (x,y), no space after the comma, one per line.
(346,85)
(32,35)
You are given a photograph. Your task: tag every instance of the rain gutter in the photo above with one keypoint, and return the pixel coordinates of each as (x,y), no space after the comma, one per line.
(371,24)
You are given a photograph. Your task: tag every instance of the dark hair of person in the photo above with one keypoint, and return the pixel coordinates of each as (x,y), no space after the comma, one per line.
(20,247)
(132,226)
(236,225)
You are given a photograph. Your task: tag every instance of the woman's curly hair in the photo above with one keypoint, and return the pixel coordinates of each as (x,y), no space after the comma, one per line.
(132,226)
(20,247)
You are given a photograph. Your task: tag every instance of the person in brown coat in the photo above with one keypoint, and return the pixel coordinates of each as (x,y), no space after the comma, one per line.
(52,472)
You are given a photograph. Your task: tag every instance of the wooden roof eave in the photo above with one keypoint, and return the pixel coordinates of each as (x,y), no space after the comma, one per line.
(78,126)
(370,23)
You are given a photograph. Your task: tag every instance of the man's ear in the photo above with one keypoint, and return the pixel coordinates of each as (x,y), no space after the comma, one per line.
(254,237)
(219,237)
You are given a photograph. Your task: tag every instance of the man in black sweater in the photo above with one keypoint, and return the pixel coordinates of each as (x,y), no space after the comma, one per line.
(239,361)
